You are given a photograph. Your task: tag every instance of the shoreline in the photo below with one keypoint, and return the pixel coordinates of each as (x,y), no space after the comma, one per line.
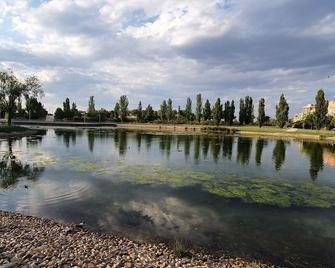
(242,131)
(39,242)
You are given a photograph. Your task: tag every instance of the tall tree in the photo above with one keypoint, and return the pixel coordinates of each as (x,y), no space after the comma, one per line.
(91,105)
(321,110)
(217,111)
(149,114)
(123,107)
(282,110)
(74,110)
(232,112)
(198,108)
(12,89)
(35,108)
(163,111)
(226,112)
(139,112)
(207,113)
(169,110)
(261,112)
(241,117)
(117,111)
(188,109)
(249,110)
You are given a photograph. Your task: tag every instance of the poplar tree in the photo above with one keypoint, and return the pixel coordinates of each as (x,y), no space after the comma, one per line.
(249,110)
(139,112)
(207,113)
(261,112)
(282,110)
(169,110)
(217,112)
(163,111)
(321,110)
(123,107)
(198,108)
(91,106)
(188,109)
(241,117)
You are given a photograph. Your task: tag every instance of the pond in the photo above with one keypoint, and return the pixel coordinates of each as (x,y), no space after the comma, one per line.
(265,198)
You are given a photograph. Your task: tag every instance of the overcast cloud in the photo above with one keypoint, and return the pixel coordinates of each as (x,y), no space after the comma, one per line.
(151,50)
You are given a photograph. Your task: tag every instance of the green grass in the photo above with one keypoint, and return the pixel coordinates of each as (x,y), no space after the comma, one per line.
(266,129)
(6,129)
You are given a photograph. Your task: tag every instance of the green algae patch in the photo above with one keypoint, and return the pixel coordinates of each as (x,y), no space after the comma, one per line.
(274,192)
(81,165)
(263,191)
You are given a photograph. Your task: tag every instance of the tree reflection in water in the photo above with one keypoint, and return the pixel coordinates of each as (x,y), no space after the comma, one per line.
(12,169)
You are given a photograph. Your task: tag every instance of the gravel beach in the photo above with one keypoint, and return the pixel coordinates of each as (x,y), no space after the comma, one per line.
(27,241)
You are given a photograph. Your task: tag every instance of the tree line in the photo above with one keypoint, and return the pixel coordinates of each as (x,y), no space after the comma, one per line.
(13,90)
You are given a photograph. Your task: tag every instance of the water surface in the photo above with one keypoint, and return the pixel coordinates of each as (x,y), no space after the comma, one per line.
(266,198)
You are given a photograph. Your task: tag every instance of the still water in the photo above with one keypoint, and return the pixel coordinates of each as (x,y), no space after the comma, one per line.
(265,198)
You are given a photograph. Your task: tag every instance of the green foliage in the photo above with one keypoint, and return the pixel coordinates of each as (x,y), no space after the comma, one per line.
(282,110)
(241,118)
(139,113)
(321,110)
(188,109)
(207,112)
(12,89)
(261,112)
(217,112)
(249,110)
(198,108)
(67,109)
(169,111)
(117,111)
(35,109)
(91,106)
(229,112)
(149,114)
(123,108)
(163,111)
(59,114)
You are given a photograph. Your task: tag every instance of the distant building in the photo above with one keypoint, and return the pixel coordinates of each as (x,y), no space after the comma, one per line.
(310,108)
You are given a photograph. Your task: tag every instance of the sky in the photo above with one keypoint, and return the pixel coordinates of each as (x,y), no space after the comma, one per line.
(154,50)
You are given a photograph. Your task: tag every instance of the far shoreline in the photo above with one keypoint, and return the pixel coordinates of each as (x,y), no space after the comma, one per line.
(265,131)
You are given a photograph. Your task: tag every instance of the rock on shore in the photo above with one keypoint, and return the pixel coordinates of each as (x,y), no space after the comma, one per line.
(27,241)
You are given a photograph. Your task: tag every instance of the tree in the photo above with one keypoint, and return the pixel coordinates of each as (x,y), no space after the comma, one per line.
(198,108)
(249,110)
(149,114)
(282,110)
(188,109)
(139,112)
(207,113)
(241,117)
(123,107)
(321,109)
(91,106)
(117,111)
(35,108)
(225,113)
(169,111)
(12,89)
(59,114)
(163,111)
(232,112)
(261,112)
(74,110)
(217,111)
(67,108)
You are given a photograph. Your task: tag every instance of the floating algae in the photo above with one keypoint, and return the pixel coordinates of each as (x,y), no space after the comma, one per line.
(264,191)
(81,165)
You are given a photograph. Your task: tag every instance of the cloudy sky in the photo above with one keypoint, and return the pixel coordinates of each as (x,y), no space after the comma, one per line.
(151,50)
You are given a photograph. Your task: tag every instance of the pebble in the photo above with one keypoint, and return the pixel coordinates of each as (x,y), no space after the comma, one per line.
(27,241)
